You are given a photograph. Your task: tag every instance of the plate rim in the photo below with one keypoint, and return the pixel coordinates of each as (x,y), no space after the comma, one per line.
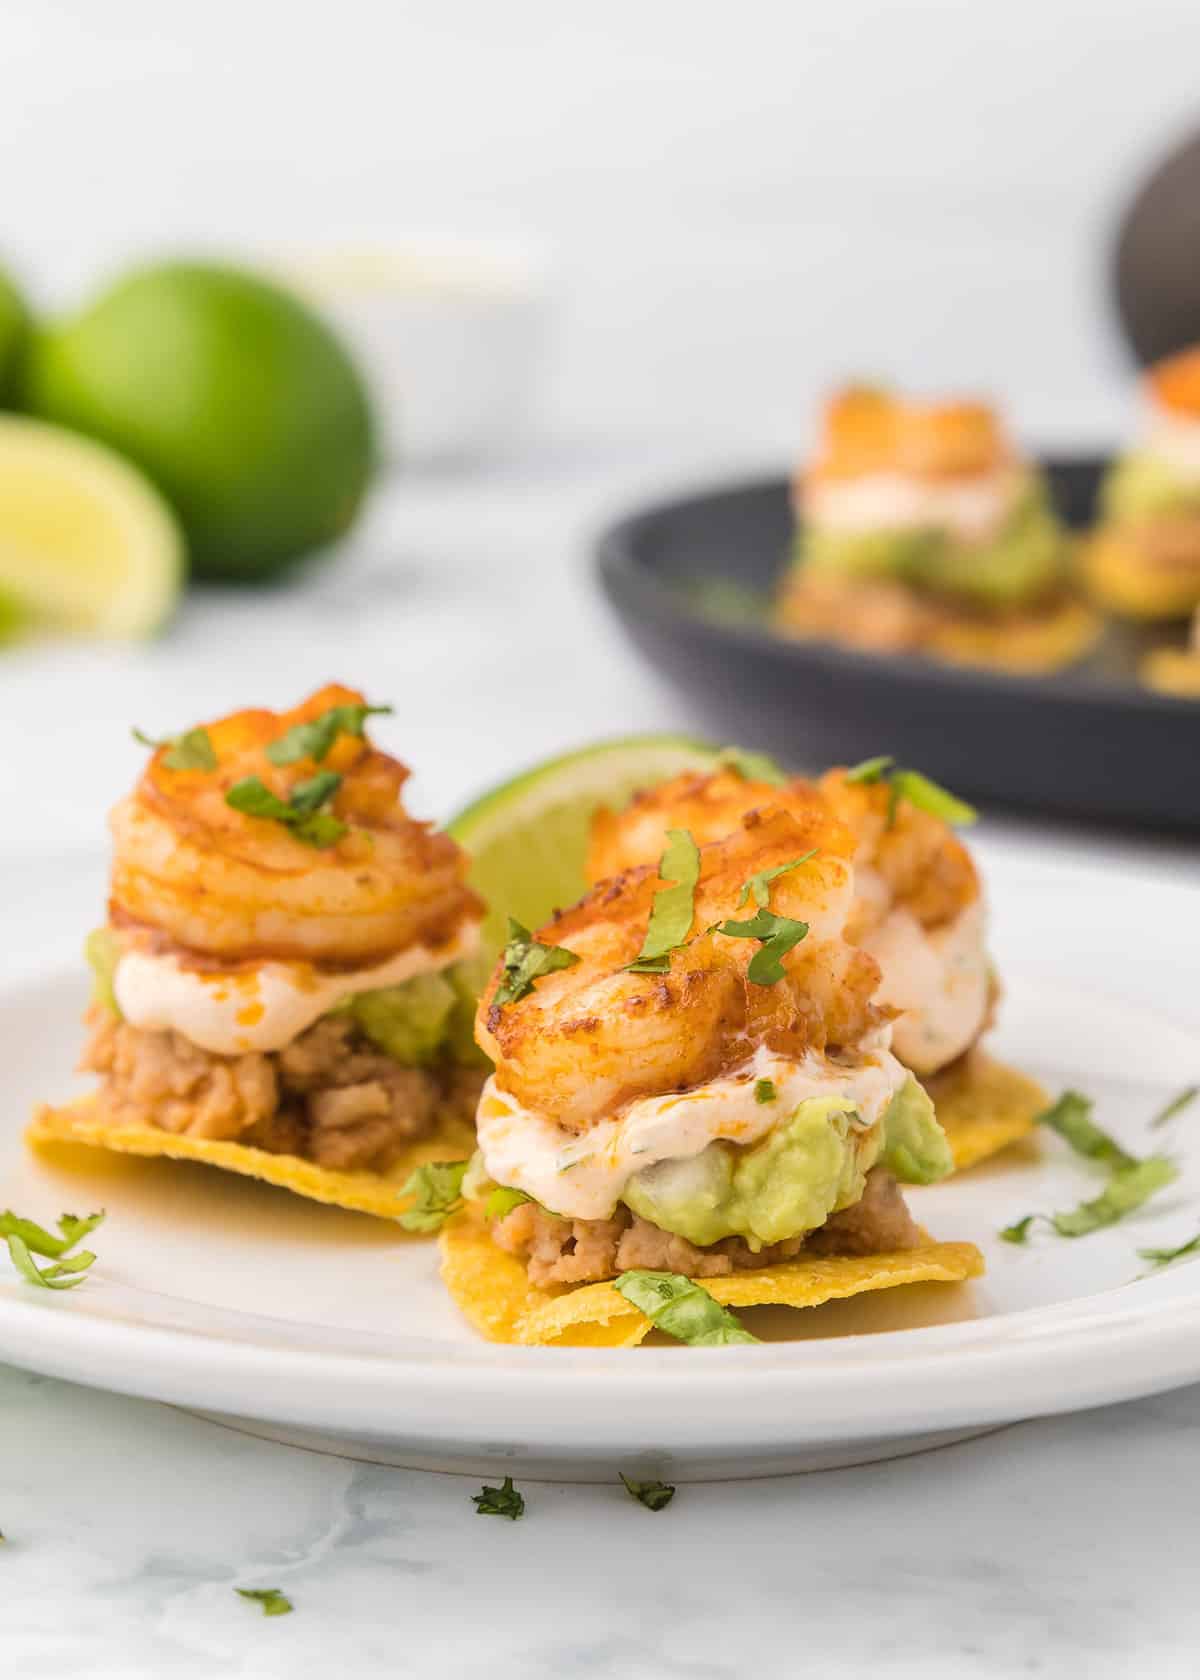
(971,1371)
(624,572)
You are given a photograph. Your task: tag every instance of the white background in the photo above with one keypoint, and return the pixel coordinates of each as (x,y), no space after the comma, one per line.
(743,200)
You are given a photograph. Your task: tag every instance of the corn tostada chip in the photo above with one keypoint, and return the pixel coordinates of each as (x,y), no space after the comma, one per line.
(983,1106)
(380,1193)
(492,1291)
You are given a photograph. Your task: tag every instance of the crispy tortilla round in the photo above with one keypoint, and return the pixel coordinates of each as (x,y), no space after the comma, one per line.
(363,1192)
(1173,671)
(983,1106)
(1036,641)
(491,1290)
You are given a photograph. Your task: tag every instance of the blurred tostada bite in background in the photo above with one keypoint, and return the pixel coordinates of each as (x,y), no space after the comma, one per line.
(922,529)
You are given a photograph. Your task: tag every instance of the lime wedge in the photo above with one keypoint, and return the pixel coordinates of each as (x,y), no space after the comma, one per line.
(528,839)
(86,543)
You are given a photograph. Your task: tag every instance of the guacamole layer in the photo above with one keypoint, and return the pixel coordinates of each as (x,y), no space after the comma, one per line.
(1024,560)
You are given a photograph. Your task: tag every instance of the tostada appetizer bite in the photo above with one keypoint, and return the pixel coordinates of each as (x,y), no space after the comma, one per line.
(1176,670)
(922,530)
(284,983)
(693,1082)
(918,910)
(1143,559)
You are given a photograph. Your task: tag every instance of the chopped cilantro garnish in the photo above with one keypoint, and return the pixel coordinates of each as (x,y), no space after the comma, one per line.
(503,1501)
(653,1495)
(26,1238)
(1071,1118)
(300,813)
(752,766)
(1164,1256)
(61,1274)
(674,905)
(274,1603)
(871,769)
(436,1189)
(193,750)
(1131,1182)
(926,795)
(681,1308)
(314,738)
(1018,1232)
(1127,1190)
(758,887)
(764,1091)
(778,935)
(502,1200)
(41,1241)
(1176,1105)
(525,960)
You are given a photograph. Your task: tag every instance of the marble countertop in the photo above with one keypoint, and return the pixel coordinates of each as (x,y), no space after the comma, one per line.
(1058,1547)
(1053,1548)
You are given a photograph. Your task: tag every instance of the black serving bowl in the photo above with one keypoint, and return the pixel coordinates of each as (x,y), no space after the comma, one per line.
(692,580)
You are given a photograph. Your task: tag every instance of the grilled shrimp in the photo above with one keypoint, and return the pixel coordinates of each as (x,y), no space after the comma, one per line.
(903,857)
(709,806)
(869,431)
(917,906)
(917,862)
(591,1037)
(191,870)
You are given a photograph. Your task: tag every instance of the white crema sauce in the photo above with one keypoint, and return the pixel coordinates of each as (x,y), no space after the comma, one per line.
(582,1175)
(972,508)
(939,979)
(263,1007)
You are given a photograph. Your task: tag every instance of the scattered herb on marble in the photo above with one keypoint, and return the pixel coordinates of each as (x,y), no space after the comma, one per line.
(503,1501)
(653,1495)
(274,1603)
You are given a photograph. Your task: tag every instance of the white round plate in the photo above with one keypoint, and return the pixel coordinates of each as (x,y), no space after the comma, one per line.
(315,1325)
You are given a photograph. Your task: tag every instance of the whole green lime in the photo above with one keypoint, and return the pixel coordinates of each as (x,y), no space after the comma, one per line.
(14,331)
(233,397)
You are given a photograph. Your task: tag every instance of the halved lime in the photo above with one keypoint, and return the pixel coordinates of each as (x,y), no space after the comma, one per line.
(528,839)
(86,543)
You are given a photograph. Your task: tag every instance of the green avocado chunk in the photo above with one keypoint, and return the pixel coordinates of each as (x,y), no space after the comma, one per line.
(812,1164)
(468,978)
(1142,486)
(915,1149)
(408,1022)
(1023,560)
(425,1019)
(809,1166)
(102,949)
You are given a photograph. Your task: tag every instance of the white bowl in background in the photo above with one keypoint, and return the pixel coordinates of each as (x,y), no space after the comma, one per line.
(449,333)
